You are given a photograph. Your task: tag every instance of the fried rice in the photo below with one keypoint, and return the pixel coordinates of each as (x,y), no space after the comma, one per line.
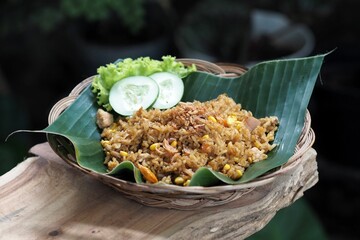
(170,145)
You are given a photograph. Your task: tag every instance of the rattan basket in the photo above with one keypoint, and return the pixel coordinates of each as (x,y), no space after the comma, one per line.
(171,196)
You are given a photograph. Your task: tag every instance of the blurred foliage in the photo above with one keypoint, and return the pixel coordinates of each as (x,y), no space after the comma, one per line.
(218,27)
(131,13)
(17,16)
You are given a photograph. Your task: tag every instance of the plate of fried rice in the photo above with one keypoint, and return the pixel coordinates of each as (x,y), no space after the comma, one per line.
(233,129)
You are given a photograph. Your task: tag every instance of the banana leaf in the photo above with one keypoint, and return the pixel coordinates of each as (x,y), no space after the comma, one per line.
(281,88)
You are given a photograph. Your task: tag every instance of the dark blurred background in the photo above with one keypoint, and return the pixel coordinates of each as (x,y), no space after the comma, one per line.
(47,47)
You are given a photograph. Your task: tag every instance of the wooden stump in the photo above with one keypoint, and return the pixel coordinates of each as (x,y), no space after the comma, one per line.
(45,198)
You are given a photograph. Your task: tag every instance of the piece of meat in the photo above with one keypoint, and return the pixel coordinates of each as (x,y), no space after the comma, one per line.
(104,119)
(251,123)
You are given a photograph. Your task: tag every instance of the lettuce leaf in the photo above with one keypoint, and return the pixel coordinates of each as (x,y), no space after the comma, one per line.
(144,66)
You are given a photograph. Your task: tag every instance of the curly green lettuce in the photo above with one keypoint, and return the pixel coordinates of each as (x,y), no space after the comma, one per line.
(144,66)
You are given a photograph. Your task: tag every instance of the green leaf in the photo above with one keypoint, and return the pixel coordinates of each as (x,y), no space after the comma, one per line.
(281,88)
(78,124)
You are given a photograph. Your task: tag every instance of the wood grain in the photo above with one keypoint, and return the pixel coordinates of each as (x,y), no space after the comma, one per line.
(44,198)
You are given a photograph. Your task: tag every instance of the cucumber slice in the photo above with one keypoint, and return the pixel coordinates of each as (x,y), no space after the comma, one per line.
(130,94)
(171,89)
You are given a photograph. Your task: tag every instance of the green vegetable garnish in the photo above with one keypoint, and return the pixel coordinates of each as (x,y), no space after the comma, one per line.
(171,89)
(131,93)
(144,66)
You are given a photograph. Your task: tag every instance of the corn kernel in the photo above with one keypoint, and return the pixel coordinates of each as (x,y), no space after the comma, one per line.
(230,120)
(239,173)
(173,143)
(123,154)
(187,183)
(239,125)
(154,146)
(112,164)
(205,137)
(212,119)
(179,180)
(226,167)
(257,144)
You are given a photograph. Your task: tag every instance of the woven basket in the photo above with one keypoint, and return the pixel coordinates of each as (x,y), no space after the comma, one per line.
(171,196)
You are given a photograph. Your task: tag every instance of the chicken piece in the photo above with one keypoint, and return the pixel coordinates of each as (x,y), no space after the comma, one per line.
(104,119)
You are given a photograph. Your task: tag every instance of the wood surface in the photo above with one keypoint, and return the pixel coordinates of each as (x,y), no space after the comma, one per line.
(45,198)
